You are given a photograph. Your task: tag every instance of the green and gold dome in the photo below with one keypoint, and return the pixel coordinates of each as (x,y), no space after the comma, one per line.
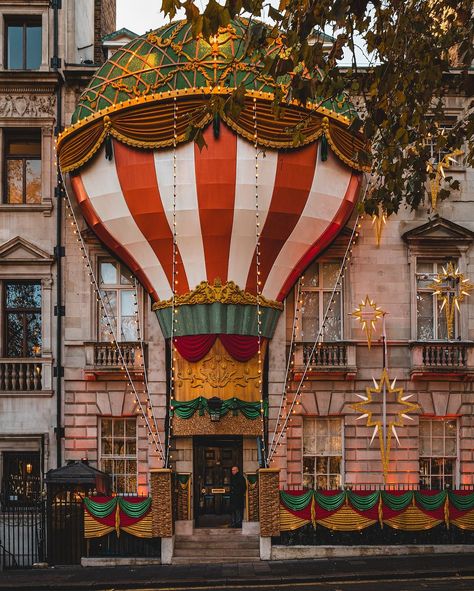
(168,74)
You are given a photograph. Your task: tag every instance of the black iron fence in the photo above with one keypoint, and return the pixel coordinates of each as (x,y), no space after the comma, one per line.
(22,534)
(374,487)
(124,545)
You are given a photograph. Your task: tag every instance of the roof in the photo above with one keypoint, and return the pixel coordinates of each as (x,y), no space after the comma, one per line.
(75,473)
(170,59)
(123,32)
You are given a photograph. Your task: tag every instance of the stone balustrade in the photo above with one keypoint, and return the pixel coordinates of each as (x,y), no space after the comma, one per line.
(449,358)
(27,374)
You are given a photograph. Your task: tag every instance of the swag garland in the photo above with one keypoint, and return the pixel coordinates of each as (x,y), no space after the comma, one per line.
(186,409)
(103,515)
(353,511)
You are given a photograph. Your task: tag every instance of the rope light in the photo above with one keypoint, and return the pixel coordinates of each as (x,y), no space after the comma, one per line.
(112,335)
(276,441)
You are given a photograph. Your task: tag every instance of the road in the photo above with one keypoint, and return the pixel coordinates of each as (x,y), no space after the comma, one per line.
(393,584)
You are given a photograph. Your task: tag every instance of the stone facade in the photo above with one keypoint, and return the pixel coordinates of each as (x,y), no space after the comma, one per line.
(29,105)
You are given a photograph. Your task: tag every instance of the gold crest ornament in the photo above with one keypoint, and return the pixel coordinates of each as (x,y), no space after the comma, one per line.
(451,287)
(438,171)
(379,419)
(368,313)
(378,222)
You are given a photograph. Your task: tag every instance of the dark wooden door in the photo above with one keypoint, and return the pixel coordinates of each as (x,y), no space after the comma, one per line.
(213,461)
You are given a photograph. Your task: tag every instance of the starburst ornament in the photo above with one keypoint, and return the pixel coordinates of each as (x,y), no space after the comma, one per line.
(368,313)
(385,427)
(451,287)
(438,171)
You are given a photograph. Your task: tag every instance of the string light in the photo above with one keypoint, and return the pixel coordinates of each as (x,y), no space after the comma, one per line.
(285,421)
(174,287)
(259,284)
(113,338)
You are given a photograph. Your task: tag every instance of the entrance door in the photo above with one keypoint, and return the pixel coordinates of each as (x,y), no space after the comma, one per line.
(213,461)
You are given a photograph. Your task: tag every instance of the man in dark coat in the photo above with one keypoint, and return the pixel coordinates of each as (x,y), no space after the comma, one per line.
(238,488)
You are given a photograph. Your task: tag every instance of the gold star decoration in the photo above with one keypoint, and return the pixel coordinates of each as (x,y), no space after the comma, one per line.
(378,221)
(384,387)
(451,287)
(368,313)
(438,171)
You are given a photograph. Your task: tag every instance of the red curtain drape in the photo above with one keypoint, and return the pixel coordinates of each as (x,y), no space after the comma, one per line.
(195,347)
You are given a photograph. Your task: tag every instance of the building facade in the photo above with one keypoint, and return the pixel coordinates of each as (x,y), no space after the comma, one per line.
(49,50)
(103,389)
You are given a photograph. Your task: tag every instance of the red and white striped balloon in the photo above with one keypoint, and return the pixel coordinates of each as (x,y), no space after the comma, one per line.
(303,204)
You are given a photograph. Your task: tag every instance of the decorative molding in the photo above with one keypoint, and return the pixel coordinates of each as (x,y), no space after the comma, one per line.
(439,232)
(27,105)
(18,250)
(227,293)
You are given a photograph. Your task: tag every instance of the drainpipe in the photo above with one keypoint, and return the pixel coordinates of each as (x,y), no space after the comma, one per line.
(59,250)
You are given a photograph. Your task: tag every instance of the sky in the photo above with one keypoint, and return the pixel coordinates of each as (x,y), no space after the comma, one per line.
(142,15)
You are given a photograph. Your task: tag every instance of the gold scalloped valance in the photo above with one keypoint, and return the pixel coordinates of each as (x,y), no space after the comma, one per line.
(148,122)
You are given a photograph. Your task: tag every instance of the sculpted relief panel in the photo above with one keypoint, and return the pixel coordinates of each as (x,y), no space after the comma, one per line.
(27,105)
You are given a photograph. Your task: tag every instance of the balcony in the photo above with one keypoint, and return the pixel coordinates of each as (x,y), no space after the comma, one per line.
(334,360)
(25,375)
(450,360)
(104,360)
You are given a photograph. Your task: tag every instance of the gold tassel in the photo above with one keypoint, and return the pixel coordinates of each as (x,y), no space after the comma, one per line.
(117,519)
(313,511)
(446,511)
(380,511)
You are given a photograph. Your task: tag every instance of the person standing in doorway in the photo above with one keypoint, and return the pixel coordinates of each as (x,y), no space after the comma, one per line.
(238,488)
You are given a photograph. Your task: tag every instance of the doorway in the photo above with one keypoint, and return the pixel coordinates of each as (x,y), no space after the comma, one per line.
(213,461)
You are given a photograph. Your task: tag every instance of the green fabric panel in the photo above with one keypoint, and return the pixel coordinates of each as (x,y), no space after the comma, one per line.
(461,502)
(363,502)
(218,318)
(252,478)
(100,509)
(250,410)
(430,502)
(296,502)
(183,478)
(330,502)
(135,509)
(397,502)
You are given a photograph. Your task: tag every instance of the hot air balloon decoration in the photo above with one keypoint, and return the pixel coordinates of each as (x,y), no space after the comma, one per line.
(167,208)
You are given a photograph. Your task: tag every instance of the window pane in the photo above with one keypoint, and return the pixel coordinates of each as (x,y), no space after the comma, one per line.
(332,328)
(131,427)
(442,324)
(330,272)
(110,302)
(424,311)
(23,295)
(119,428)
(127,303)
(14,335)
(33,181)
(33,334)
(21,145)
(108,273)
(15,47)
(311,276)
(106,446)
(425,448)
(33,47)
(14,181)
(106,427)
(450,446)
(126,278)
(310,312)
(130,447)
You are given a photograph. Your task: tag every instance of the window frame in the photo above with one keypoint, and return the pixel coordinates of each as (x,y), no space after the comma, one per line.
(9,135)
(5,311)
(24,21)
(324,454)
(113,457)
(444,456)
(321,289)
(118,287)
(437,266)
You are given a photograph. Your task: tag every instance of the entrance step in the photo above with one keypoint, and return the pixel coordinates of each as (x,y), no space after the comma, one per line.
(216,546)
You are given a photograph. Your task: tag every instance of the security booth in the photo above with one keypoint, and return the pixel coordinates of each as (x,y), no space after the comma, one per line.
(66,489)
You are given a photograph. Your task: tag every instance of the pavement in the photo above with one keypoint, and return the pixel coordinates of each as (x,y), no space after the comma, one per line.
(74,578)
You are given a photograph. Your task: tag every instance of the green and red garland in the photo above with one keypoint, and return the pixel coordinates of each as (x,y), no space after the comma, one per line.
(103,515)
(352,511)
